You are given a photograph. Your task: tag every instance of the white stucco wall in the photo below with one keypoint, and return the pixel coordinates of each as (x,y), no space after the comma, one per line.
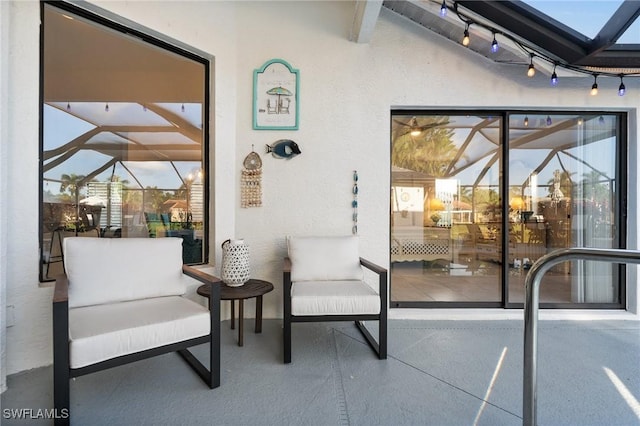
(346,93)
(4,125)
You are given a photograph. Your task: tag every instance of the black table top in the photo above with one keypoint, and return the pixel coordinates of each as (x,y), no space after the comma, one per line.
(251,288)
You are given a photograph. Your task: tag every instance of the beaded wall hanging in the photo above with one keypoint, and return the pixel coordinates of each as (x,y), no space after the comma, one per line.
(354,203)
(251,181)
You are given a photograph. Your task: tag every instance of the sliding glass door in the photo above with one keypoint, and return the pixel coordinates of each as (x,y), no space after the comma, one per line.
(477,197)
(564,192)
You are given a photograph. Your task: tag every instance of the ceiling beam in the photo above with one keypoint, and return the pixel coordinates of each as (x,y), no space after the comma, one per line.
(619,22)
(122,131)
(108,146)
(364,21)
(526,23)
(183,126)
(560,42)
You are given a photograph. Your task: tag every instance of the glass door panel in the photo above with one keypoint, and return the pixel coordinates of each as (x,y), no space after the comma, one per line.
(562,182)
(445,209)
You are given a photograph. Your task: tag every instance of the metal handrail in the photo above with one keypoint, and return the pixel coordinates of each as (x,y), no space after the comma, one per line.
(532,289)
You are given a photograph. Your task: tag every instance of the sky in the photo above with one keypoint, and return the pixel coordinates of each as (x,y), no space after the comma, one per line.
(61,127)
(587,17)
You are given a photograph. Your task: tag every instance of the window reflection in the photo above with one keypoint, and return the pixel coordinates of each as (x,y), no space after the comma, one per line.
(566,191)
(446,209)
(453,237)
(122,145)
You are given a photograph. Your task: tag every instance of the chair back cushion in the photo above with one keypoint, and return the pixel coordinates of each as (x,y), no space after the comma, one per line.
(324,258)
(109,270)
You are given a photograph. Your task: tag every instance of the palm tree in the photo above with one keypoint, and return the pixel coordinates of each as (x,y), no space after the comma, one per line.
(595,186)
(430,152)
(124,182)
(564,181)
(70,182)
(466,194)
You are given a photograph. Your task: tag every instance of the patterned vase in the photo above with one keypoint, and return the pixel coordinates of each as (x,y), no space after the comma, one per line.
(235,263)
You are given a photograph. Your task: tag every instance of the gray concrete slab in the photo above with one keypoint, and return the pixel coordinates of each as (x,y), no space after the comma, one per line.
(437,373)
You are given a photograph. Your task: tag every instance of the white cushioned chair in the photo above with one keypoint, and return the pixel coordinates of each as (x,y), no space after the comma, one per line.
(123,300)
(324,281)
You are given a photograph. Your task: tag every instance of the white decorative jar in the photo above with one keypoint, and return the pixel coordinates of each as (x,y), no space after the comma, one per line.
(235,263)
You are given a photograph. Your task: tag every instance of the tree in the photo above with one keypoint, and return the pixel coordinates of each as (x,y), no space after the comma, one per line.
(124,182)
(431,152)
(154,198)
(69,182)
(595,187)
(561,180)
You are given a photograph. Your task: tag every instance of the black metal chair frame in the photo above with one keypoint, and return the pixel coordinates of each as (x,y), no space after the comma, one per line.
(379,347)
(62,372)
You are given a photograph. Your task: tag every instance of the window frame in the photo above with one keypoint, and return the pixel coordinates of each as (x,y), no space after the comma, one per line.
(621,175)
(100,17)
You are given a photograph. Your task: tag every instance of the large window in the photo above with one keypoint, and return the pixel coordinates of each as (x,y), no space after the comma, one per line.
(477,197)
(124,137)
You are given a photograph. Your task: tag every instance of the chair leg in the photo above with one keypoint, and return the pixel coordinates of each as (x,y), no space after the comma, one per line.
(61,394)
(61,375)
(286,302)
(287,339)
(214,344)
(382,339)
(211,376)
(379,347)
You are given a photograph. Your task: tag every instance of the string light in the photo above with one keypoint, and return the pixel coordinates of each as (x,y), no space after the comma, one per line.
(554,76)
(532,70)
(549,122)
(443,9)
(106,107)
(182,108)
(466,39)
(621,89)
(415,129)
(526,121)
(68,106)
(594,87)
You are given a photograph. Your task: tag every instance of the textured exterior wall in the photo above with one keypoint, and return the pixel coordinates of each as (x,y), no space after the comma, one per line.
(4,166)
(29,341)
(346,93)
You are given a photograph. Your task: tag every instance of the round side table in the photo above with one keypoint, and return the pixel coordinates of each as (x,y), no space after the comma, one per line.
(250,289)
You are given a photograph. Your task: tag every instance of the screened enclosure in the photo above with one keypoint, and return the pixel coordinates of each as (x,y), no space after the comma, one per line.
(124,137)
(477,197)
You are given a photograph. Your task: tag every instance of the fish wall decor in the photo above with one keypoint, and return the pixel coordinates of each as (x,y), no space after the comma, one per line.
(284,148)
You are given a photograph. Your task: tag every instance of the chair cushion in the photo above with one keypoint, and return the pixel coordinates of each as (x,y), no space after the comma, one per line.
(101,332)
(324,258)
(108,270)
(333,298)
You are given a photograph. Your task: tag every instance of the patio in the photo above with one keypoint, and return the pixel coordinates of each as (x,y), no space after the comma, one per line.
(358,60)
(438,373)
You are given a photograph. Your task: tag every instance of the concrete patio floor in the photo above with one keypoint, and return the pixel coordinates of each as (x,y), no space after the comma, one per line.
(438,373)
